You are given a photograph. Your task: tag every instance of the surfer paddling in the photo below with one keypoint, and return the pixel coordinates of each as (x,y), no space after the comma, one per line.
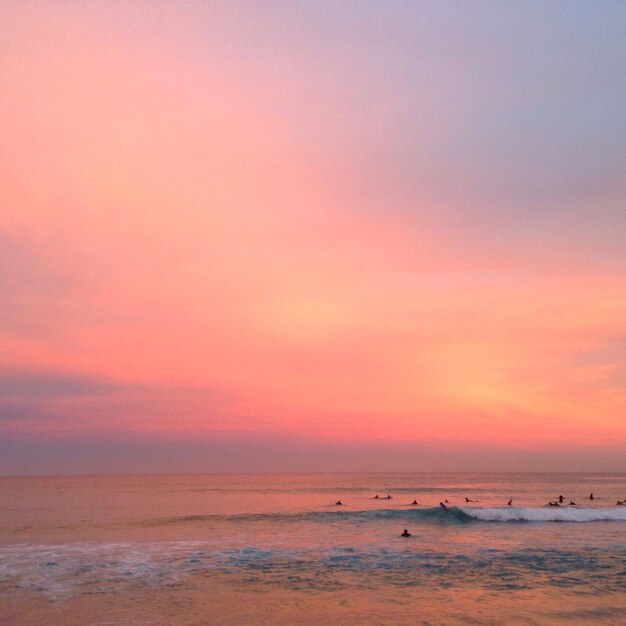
(405,533)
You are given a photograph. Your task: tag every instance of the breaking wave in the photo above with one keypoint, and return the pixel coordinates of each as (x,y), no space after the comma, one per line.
(546,514)
(452,514)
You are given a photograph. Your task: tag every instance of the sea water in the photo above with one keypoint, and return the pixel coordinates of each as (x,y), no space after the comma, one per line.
(277,548)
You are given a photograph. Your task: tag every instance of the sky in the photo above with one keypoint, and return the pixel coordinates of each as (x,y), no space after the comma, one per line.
(312,236)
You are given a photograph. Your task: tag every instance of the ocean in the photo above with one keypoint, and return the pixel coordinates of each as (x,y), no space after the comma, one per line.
(278,549)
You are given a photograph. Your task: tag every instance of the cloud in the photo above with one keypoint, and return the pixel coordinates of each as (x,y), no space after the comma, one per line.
(33,399)
(224,451)
(605,364)
(391,224)
(37,276)
(47,384)
(19,411)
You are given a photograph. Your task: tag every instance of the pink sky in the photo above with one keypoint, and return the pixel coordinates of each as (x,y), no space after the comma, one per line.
(343,230)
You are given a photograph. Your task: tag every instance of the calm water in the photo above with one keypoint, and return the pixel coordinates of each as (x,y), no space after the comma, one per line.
(207,548)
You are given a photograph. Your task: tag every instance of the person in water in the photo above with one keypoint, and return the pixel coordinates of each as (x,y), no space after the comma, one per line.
(376,497)
(339,503)
(572,503)
(560,499)
(591,496)
(405,533)
(510,502)
(388,497)
(443,506)
(414,502)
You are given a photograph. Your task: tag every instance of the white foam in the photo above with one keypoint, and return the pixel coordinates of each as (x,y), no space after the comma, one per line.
(546,514)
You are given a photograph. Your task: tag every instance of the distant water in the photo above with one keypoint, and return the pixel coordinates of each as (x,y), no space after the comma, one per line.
(280,544)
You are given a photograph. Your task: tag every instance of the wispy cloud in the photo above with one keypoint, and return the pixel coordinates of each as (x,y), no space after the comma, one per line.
(366,222)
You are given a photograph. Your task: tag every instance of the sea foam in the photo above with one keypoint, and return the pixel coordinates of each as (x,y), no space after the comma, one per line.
(545,514)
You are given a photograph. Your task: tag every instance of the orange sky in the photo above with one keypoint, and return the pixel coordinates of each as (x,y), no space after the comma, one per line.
(331,224)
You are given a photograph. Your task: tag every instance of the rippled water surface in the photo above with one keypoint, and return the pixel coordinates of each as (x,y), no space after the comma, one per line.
(252,548)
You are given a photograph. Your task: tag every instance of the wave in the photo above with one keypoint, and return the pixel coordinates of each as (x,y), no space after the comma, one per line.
(546,514)
(436,514)
(452,514)
(129,566)
(433,514)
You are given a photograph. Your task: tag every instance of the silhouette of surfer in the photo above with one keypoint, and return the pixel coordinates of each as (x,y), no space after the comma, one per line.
(405,533)
(591,496)
(561,499)
(339,503)
(572,503)
(414,502)
(376,497)
(443,506)
(388,497)
(510,502)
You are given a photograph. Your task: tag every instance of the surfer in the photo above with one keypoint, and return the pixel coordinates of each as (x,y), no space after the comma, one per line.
(591,496)
(572,503)
(339,503)
(510,502)
(388,497)
(376,497)
(561,499)
(443,506)
(414,502)
(405,533)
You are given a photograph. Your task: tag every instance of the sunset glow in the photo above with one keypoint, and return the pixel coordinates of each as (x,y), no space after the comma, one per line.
(324,236)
